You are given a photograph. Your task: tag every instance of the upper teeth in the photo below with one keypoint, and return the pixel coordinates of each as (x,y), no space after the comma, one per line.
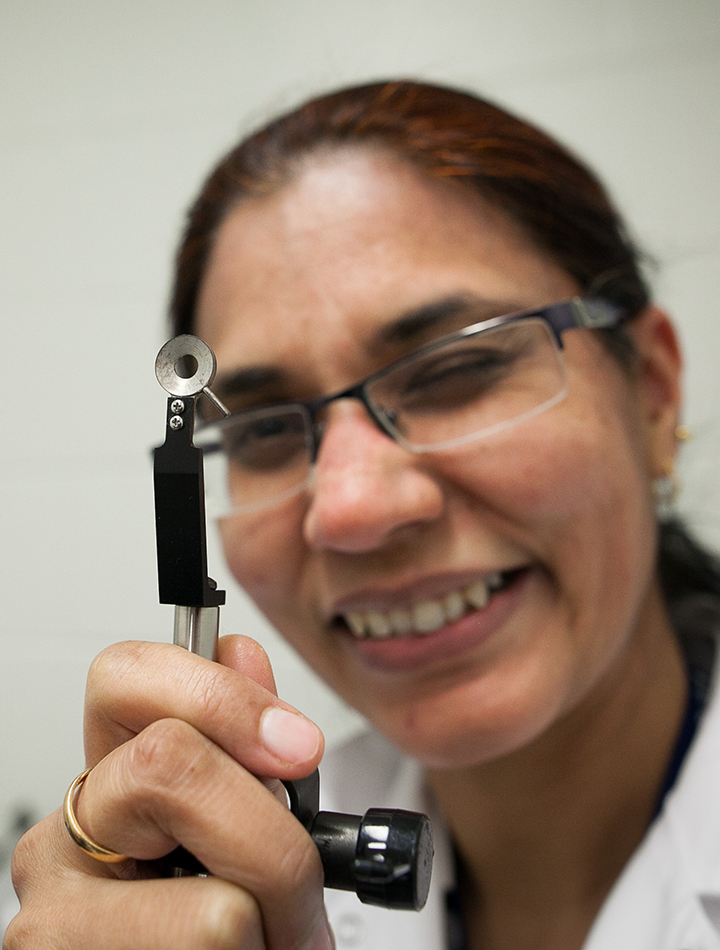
(425,616)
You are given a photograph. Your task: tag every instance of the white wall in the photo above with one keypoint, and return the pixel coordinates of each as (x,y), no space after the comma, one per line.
(110,113)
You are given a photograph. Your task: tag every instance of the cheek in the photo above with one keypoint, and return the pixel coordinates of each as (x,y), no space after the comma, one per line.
(268,557)
(576,460)
(265,554)
(570,489)
(581,491)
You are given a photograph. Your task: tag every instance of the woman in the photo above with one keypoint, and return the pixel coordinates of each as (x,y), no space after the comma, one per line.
(465,548)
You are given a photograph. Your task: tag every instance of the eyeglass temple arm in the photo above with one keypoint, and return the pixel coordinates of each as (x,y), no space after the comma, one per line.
(591,313)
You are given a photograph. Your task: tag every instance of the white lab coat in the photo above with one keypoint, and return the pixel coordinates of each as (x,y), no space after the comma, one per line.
(667,898)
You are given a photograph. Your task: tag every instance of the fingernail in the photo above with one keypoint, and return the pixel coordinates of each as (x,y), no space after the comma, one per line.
(289,736)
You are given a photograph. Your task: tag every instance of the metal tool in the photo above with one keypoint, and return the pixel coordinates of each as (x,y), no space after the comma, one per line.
(385,856)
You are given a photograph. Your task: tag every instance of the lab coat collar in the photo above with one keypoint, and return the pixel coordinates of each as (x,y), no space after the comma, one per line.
(668,896)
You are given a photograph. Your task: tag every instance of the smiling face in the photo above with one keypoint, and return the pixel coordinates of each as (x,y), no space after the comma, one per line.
(345,268)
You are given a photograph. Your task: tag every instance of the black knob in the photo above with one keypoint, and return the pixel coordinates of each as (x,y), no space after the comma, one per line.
(385,857)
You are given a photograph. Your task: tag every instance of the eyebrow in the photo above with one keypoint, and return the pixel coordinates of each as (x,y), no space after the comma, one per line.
(243,382)
(431,316)
(403,330)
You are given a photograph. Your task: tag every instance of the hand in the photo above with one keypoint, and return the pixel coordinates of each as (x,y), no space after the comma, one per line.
(176,743)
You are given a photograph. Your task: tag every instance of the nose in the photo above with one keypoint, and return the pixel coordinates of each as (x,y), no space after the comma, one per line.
(367,489)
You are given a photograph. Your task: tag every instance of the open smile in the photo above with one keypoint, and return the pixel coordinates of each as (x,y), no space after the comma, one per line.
(433,629)
(428,615)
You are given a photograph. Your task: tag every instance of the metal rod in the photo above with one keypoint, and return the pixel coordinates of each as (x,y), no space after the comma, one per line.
(196,629)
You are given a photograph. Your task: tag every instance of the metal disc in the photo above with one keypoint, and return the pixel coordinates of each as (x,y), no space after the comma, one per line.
(172,375)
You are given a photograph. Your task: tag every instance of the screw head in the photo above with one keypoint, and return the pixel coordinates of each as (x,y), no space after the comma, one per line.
(177,406)
(176,422)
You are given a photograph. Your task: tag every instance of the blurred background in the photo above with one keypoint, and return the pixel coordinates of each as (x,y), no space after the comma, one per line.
(110,115)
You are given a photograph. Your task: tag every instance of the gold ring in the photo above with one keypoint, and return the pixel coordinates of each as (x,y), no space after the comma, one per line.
(78,835)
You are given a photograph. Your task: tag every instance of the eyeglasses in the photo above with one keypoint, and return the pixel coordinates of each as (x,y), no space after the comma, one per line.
(454,391)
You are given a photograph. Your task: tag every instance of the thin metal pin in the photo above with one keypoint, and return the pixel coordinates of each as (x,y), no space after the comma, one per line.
(215,401)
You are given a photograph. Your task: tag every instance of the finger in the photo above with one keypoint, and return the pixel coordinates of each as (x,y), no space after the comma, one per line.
(170,785)
(72,911)
(131,685)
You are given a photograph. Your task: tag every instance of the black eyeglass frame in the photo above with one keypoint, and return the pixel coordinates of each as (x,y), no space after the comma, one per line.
(591,313)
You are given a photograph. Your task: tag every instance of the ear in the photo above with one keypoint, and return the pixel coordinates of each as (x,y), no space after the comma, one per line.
(658,382)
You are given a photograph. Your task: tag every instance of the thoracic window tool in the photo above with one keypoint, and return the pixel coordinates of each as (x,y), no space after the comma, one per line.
(385,856)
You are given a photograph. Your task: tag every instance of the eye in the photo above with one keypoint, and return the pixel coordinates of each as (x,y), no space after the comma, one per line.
(455,378)
(266,440)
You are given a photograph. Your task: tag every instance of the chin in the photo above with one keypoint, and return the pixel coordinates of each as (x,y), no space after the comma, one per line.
(475,726)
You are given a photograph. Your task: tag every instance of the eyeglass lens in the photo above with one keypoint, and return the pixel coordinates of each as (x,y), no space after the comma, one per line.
(441,397)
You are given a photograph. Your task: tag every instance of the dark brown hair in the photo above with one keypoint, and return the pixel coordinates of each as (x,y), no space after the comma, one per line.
(451,135)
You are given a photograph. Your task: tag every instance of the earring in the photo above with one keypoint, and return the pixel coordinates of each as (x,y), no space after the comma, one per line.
(665,490)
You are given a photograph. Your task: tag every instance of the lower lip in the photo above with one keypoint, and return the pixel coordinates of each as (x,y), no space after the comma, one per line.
(408,654)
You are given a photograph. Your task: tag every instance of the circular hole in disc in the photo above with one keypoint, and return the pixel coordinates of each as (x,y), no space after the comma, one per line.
(186,366)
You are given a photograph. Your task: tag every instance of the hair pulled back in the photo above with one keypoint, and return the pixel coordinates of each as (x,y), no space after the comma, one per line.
(448,134)
(453,135)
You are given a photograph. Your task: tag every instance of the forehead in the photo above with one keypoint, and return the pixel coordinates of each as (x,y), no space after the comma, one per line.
(355,240)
